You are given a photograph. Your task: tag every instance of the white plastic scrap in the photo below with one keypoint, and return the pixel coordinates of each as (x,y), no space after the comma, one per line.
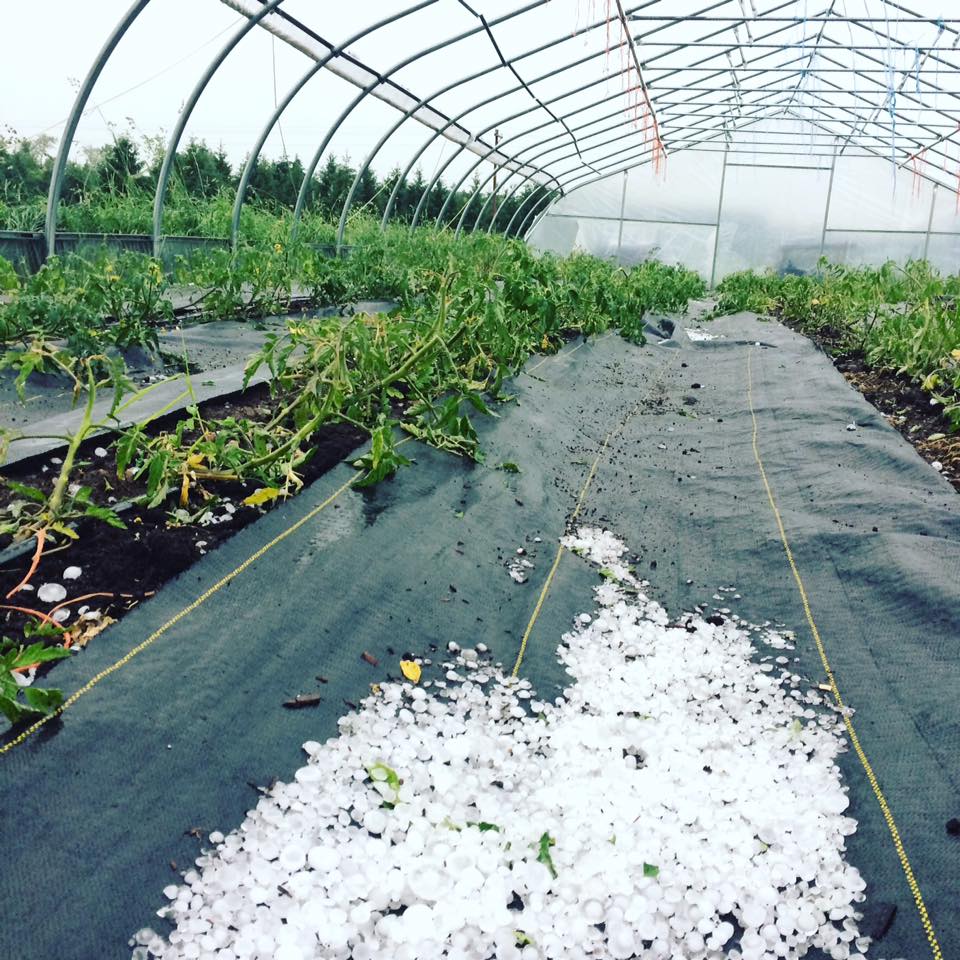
(674,785)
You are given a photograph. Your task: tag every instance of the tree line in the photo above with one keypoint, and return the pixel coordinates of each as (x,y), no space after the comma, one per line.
(121,171)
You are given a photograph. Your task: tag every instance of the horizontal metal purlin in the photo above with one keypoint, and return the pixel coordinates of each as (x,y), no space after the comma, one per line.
(775,166)
(616,219)
(770,153)
(799,21)
(779,69)
(912,233)
(923,48)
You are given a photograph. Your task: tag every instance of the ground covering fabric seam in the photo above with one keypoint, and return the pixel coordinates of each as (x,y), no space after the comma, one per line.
(834,689)
(186,611)
(578,506)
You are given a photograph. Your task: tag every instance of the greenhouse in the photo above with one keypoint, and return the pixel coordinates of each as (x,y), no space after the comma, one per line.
(479,480)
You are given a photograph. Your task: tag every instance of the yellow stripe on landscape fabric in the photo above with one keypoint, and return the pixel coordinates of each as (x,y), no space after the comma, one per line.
(576,512)
(175,619)
(186,611)
(835,690)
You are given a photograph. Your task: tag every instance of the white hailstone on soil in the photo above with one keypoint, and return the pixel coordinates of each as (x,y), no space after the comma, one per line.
(674,788)
(72,573)
(100,452)
(51,593)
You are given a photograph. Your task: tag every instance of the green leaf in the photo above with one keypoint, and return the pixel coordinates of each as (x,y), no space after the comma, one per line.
(38,653)
(31,493)
(42,701)
(546,842)
(649,870)
(381,772)
(12,710)
(483,826)
(126,448)
(106,514)
(508,466)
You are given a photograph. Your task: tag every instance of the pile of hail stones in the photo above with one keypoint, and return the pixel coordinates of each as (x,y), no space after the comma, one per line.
(679,801)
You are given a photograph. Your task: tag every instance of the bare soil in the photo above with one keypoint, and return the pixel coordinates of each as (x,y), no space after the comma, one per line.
(901,401)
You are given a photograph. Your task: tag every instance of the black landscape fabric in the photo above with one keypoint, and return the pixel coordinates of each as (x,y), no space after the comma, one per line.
(98,811)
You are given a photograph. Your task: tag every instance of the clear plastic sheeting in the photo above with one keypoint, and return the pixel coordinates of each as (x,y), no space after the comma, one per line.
(726,211)
(760,219)
(842,110)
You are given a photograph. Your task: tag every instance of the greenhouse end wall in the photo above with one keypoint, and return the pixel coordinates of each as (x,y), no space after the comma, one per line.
(719,212)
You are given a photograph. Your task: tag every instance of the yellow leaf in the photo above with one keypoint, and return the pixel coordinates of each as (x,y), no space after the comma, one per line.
(195,460)
(410,670)
(185,489)
(263,495)
(955,354)
(66,531)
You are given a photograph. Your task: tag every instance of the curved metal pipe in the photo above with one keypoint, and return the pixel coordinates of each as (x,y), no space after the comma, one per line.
(520,184)
(522,230)
(609,171)
(567,156)
(187,109)
(456,189)
(254,156)
(381,79)
(755,103)
(438,93)
(69,131)
(637,38)
(482,103)
(524,133)
(517,136)
(516,212)
(542,153)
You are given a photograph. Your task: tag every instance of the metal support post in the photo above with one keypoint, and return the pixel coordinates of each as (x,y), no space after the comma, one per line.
(716,236)
(623,203)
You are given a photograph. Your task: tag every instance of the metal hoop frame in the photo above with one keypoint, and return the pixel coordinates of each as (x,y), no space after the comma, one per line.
(692,103)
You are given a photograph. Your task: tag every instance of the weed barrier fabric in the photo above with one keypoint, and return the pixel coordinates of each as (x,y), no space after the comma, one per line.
(96,808)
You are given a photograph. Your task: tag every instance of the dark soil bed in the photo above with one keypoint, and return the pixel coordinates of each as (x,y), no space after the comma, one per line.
(901,401)
(131,564)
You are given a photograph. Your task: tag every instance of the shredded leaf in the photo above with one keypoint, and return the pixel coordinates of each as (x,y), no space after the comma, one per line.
(546,842)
